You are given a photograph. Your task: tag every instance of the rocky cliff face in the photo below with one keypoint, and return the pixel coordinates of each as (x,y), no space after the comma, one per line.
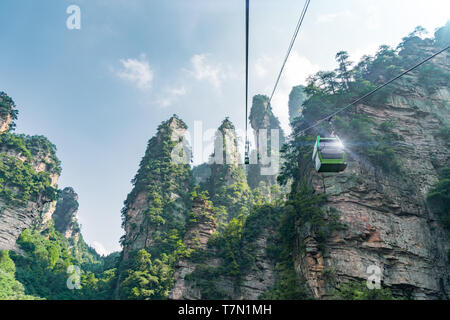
(155,214)
(201,226)
(263,121)
(193,283)
(225,154)
(29,172)
(296,98)
(223,182)
(36,212)
(65,218)
(236,244)
(262,275)
(65,215)
(14,220)
(155,189)
(201,275)
(388,222)
(227,184)
(6,112)
(5,122)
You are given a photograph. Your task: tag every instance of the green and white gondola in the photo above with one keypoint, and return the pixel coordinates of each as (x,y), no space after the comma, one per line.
(329,155)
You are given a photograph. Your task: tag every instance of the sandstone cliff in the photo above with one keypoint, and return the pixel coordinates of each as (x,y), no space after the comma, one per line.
(227,184)
(5,123)
(65,219)
(23,206)
(204,274)
(202,224)
(263,121)
(65,215)
(155,213)
(388,223)
(157,189)
(8,112)
(239,242)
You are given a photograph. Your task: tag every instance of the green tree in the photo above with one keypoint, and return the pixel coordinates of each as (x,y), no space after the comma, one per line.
(146,278)
(10,288)
(356,290)
(442,35)
(343,72)
(439,197)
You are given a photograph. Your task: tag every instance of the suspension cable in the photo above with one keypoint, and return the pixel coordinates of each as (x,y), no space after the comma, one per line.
(247,9)
(294,36)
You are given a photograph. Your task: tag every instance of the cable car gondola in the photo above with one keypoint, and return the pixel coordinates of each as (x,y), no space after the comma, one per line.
(329,155)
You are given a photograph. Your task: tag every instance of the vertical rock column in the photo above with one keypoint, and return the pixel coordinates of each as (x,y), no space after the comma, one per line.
(201,226)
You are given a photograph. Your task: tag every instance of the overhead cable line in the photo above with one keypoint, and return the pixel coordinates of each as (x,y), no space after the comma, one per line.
(294,36)
(247,18)
(374,90)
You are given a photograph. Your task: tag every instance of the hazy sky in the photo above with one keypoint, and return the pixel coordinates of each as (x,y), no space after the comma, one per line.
(100,92)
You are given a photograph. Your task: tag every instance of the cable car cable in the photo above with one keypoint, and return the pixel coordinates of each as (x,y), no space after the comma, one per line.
(374,90)
(294,36)
(247,18)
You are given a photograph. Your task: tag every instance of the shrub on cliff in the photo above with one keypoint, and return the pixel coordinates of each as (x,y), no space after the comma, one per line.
(146,278)
(356,290)
(43,269)
(20,183)
(439,197)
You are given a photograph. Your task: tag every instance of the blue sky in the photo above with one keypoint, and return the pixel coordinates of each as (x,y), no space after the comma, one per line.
(100,92)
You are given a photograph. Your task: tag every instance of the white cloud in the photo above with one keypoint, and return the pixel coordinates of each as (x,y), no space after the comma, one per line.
(329,17)
(100,248)
(297,69)
(261,65)
(178,92)
(206,71)
(373,20)
(171,96)
(203,69)
(136,71)
(369,50)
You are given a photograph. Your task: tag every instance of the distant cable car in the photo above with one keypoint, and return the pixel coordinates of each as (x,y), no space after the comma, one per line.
(247,147)
(329,155)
